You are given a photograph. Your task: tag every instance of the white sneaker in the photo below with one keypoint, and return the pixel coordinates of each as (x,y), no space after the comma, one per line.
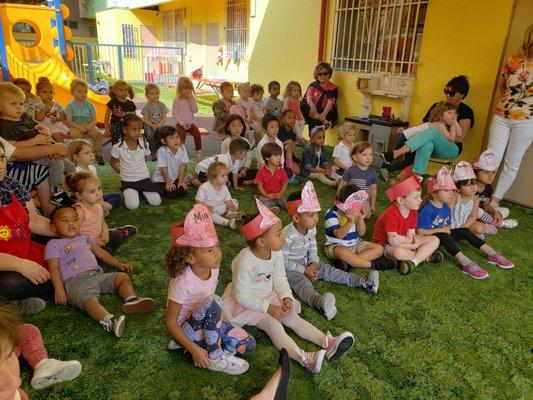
(173,345)
(509,223)
(327,304)
(229,364)
(313,361)
(232,224)
(50,371)
(115,325)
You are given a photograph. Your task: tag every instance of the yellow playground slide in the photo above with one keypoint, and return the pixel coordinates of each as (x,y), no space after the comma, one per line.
(41,58)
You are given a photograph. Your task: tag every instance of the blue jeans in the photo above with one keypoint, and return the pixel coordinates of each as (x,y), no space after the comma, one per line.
(430,143)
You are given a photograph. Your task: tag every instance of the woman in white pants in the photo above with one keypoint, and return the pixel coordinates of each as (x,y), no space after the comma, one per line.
(512,124)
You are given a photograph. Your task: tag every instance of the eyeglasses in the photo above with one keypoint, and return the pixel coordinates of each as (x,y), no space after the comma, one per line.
(450,92)
(323,73)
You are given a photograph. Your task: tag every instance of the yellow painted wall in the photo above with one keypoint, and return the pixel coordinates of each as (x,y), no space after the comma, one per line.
(460,37)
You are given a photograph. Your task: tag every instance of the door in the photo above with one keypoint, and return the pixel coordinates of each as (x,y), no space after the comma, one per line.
(521,191)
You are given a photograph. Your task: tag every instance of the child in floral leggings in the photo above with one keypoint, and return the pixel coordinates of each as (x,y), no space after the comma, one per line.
(194,312)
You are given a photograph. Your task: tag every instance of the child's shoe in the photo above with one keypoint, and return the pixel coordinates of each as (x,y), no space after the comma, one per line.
(138,305)
(384,174)
(508,223)
(405,267)
(127,230)
(115,325)
(342,265)
(327,305)
(500,261)
(474,271)
(228,364)
(30,306)
(336,346)
(370,282)
(173,345)
(61,199)
(232,224)
(313,361)
(50,371)
(236,215)
(436,257)
(385,263)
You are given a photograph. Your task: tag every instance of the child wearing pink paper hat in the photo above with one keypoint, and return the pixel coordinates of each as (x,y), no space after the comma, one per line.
(302,265)
(194,312)
(395,228)
(435,219)
(260,295)
(489,217)
(345,224)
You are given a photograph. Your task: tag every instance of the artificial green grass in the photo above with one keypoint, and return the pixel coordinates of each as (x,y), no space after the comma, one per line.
(168,94)
(433,334)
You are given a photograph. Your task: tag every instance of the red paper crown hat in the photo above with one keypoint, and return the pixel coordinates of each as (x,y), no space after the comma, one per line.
(260,224)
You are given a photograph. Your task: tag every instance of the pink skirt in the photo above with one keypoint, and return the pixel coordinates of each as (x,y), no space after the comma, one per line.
(238,315)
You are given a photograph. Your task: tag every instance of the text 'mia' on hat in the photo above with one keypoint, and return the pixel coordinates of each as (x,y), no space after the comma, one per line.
(197,230)
(486,161)
(463,171)
(260,224)
(307,203)
(443,181)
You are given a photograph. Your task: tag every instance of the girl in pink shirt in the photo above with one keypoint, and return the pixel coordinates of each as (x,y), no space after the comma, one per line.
(194,312)
(293,95)
(87,191)
(183,110)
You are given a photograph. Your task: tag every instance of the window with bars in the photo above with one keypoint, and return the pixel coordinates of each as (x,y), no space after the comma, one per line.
(174,28)
(129,39)
(237,28)
(374,36)
(92,31)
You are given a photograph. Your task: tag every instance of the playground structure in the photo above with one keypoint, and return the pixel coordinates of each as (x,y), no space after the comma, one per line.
(47,55)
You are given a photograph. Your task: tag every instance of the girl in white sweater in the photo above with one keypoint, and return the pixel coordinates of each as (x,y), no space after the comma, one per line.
(259,294)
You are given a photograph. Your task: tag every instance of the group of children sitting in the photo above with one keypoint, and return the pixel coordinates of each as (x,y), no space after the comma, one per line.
(277,261)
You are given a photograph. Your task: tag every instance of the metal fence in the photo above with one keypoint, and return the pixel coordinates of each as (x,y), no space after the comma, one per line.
(134,64)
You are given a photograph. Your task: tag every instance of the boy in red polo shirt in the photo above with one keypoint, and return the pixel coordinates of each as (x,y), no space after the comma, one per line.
(395,229)
(271,179)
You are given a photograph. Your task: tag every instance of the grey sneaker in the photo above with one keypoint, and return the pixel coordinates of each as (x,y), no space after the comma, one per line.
(115,325)
(370,282)
(50,371)
(327,305)
(30,306)
(236,215)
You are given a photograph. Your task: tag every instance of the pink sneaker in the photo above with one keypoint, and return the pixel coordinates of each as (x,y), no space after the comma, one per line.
(337,346)
(500,261)
(474,271)
(313,361)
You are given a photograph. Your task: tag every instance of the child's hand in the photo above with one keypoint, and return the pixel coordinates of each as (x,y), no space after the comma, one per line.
(372,210)
(275,311)
(239,188)
(106,206)
(200,357)
(287,304)
(183,185)
(41,139)
(125,267)
(446,229)
(310,272)
(497,216)
(351,215)
(170,186)
(60,297)
(327,170)
(416,240)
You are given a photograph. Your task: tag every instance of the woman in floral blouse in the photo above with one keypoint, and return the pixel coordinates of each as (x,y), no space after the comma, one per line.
(512,124)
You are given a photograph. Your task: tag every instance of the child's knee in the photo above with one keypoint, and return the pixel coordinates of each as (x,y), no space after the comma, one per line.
(121,278)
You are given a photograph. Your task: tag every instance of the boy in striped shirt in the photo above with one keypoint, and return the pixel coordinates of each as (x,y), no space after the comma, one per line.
(302,265)
(343,235)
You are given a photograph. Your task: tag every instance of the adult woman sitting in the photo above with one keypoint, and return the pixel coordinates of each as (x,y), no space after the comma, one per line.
(455,91)
(512,124)
(22,272)
(319,103)
(437,140)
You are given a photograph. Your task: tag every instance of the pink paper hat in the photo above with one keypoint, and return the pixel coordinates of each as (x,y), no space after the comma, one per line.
(260,224)
(308,202)
(354,202)
(197,230)
(487,161)
(402,188)
(463,172)
(443,181)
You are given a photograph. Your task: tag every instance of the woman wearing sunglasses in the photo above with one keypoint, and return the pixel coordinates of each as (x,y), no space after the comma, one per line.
(319,103)
(455,91)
